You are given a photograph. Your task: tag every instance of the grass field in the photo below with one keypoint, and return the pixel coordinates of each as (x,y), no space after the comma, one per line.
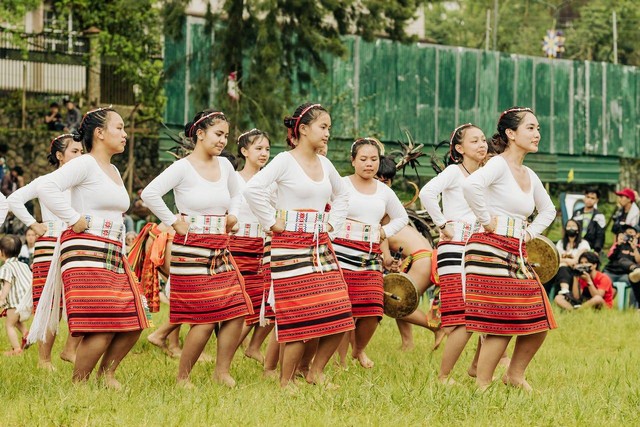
(585,374)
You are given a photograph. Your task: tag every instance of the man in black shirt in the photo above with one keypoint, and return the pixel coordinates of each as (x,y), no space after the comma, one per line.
(593,222)
(624,260)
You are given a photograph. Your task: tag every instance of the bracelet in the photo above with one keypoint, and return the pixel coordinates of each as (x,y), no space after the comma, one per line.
(442,227)
(87,218)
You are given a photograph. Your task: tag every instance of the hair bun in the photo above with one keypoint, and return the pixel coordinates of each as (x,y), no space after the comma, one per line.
(77,135)
(289,122)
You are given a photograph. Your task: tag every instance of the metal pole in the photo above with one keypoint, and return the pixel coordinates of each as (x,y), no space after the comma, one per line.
(615,38)
(24,96)
(487,32)
(495,25)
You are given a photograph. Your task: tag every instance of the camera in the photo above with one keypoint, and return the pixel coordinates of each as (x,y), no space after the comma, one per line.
(582,268)
(627,238)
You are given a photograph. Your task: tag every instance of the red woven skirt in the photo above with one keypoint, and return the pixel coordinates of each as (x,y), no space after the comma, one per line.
(42,253)
(206,286)
(361,266)
(101,293)
(247,253)
(503,297)
(450,277)
(311,297)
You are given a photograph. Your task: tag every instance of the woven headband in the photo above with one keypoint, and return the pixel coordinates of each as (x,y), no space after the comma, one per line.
(205,117)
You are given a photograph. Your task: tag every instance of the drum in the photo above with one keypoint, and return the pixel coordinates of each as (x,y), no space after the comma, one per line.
(400,295)
(543,257)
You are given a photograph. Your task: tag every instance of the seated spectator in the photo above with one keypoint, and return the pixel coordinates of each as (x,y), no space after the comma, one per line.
(590,289)
(627,212)
(591,220)
(624,260)
(74,116)
(54,118)
(570,248)
(28,248)
(12,181)
(129,238)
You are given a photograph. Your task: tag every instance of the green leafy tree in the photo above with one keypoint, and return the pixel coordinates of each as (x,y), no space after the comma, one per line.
(130,37)
(12,12)
(272,45)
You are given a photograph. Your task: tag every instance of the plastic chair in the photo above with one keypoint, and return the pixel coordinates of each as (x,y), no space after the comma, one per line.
(622,295)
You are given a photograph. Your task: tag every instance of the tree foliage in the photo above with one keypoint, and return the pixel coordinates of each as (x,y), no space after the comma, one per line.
(12,12)
(587,26)
(272,44)
(130,37)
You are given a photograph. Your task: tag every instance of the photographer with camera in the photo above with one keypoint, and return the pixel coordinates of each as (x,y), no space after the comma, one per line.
(590,288)
(624,259)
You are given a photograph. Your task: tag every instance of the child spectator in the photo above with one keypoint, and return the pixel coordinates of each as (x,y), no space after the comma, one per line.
(15,277)
(28,248)
(591,220)
(591,289)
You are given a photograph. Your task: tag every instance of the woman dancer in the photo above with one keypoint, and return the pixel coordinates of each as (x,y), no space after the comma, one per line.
(206,287)
(311,298)
(503,294)
(62,149)
(357,245)
(467,150)
(247,244)
(102,298)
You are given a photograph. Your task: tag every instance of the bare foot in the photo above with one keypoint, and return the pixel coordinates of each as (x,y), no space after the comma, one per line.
(255,355)
(439,335)
(224,379)
(270,373)
(407,346)
(321,380)
(472,371)
(204,357)
(302,372)
(174,352)
(504,361)
(523,384)
(290,388)
(68,357)
(46,365)
(160,343)
(447,381)
(185,384)
(364,360)
(14,352)
(111,382)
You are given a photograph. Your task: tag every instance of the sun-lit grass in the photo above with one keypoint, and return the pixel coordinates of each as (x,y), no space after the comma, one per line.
(585,374)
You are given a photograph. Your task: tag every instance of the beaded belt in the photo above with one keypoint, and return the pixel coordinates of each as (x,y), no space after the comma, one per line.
(304,221)
(250,229)
(462,231)
(206,224)
(510,227)
(361,232)
(107,228)
(54,228)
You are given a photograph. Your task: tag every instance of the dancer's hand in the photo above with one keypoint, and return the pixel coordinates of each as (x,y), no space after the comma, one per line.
(181,227)
(383,235)
(491,227)
(39,228)
(81,225)
(446,233)
(278,227)
(232,224)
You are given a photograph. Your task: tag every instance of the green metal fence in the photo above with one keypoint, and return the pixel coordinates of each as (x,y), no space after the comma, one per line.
(587,110)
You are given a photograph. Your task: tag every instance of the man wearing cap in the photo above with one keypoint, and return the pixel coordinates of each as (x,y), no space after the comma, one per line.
(74,116)
(624,259)
(627,213)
